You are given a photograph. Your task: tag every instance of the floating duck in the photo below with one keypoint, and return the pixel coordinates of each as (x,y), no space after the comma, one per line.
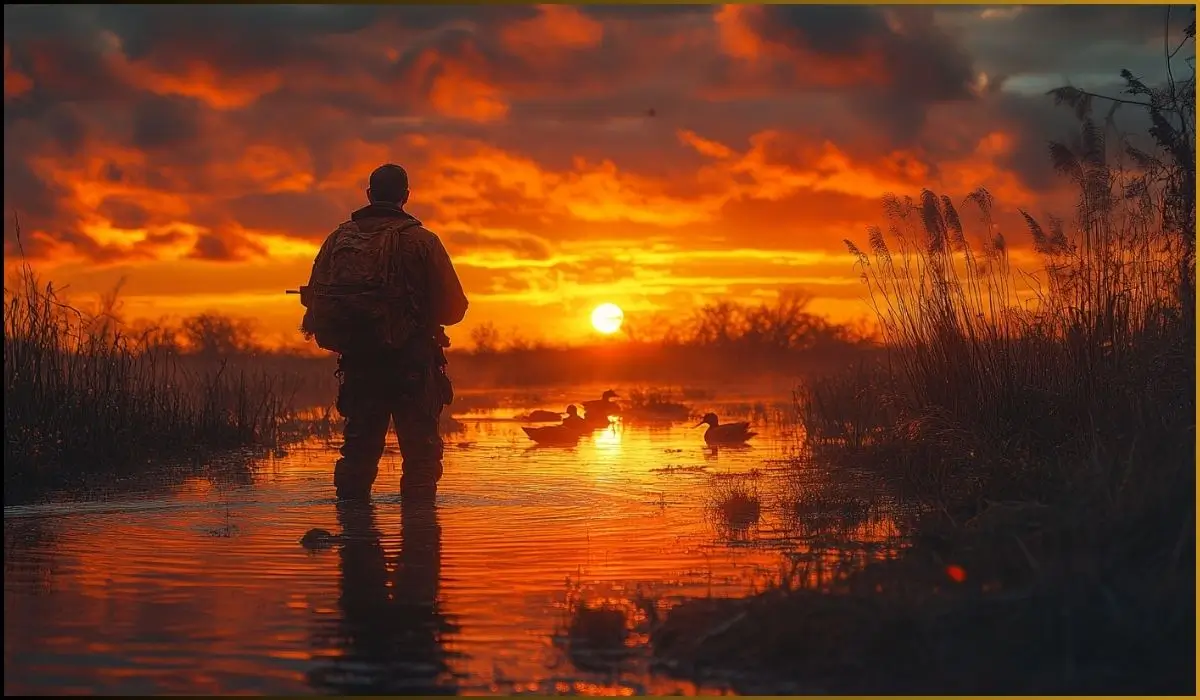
(318,538)
(727,434)
(554,434)
(574,420)
(604,406)
(541,416)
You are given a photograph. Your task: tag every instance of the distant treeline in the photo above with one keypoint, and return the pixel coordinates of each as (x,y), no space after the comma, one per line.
(718,341)
(722,341)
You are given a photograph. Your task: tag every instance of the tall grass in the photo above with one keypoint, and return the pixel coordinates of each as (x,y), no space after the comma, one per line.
(1079,378)
(1042,422)
(80,395)
(1045,420)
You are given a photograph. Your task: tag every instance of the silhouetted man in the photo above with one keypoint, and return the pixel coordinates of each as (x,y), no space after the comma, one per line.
(381,292)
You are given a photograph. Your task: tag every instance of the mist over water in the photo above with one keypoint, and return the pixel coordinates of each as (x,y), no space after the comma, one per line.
(201,584)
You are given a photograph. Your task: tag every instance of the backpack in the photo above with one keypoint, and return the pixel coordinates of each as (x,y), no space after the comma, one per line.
(354,301)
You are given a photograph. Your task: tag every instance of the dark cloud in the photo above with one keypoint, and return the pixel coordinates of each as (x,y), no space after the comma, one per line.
(28,197)
(890,63)
(303,214)
(164,122)
(264,116)
(123,212)
(67,127)
(1068,41)
(1133,23)
(224,248)
(647,12)
(915,56)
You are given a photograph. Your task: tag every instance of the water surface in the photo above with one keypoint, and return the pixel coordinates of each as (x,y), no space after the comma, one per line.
(200,585)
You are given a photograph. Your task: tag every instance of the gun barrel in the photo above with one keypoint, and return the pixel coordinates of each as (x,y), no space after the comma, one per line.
(291,291)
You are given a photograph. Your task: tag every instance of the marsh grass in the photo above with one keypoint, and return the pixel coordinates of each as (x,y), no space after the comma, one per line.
(1041,424)
(80,395)
(1080,394)
(654,404)
(845,512)
(735,504)
(1048,436)
(602,633)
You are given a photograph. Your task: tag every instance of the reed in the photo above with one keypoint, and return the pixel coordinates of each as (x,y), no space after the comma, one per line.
(1040,428)
(81,395)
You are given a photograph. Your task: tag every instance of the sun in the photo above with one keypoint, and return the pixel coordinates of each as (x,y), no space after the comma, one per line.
(607,318)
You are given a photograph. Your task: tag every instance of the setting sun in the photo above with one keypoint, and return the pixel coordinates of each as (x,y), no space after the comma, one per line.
(607,318)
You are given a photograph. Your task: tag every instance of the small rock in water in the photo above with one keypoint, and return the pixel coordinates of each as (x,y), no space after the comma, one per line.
(317,538)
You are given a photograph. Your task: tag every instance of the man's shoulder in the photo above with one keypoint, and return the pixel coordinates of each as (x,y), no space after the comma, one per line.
(332,237)
(345,227)
(423,235)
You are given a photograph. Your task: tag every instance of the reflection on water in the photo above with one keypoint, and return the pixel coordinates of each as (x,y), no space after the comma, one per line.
(390,629)
(508,583)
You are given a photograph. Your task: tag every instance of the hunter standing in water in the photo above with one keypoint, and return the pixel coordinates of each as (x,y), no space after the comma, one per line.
(382,291)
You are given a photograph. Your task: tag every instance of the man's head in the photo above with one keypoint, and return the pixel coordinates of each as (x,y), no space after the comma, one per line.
(388,185)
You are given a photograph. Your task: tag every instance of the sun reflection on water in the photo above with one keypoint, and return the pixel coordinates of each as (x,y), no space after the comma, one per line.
(608,441)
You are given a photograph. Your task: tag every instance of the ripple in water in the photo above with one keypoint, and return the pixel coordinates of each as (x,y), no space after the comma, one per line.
(529,564)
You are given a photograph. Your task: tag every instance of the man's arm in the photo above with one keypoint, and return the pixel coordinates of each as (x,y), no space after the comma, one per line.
(318,270)
(322,259)
(445,290)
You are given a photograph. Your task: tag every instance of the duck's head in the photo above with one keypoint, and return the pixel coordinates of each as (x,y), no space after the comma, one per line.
(610,394)
(708,419)
(573,410)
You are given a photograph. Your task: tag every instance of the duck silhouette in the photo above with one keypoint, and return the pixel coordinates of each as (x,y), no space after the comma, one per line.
(541,416)
(573,419)
(554,434)
(724,434)
(604,406)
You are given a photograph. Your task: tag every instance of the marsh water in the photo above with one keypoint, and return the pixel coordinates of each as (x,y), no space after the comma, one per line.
(199,583)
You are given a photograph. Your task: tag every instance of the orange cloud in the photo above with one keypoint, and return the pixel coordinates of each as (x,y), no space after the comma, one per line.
(737,38)
(756,57)
(199,80)
(556,29)
(15,82)
(564,154)
(458,86)
(455,93)
(705,146)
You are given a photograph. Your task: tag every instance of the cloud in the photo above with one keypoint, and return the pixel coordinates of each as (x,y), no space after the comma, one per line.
(891,62)
(16,83)
(548,145)
(522,245)
(556,29)
(229,247)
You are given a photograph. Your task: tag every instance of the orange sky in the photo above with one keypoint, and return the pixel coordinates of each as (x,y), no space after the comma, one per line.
(655,157)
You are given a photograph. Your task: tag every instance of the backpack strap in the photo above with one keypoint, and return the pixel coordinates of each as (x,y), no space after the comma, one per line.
(390,245)
(412,222)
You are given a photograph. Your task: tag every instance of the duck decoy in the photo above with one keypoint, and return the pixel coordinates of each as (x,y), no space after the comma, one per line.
(553,434)
(574,420)
(541,416)
(727,434)
(604,406)
(318,538)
